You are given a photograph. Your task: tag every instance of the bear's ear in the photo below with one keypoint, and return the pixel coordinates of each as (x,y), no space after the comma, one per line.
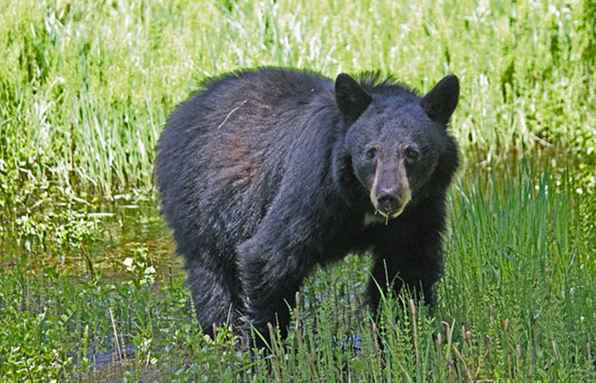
(441,101)
(351,99)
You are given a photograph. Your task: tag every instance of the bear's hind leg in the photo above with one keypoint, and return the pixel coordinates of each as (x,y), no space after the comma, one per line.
(215,296)
(270,284)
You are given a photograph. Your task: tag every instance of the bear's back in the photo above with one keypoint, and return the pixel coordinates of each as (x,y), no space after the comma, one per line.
(223,152)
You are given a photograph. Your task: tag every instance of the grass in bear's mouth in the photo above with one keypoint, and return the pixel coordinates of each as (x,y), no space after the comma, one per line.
(391,216)
(386,216)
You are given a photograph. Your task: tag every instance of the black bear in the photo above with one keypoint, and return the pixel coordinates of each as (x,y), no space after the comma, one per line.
(266,173)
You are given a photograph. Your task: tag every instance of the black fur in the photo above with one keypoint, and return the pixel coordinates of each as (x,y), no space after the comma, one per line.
(265,174)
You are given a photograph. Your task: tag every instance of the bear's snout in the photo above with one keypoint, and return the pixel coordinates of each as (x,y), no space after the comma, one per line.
(390,191)
(388,201)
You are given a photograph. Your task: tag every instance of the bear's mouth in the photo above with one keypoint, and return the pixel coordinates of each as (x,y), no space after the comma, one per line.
(392,214)
(387,216)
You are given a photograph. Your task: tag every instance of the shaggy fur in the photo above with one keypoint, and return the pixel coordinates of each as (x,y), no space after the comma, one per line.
(265,174)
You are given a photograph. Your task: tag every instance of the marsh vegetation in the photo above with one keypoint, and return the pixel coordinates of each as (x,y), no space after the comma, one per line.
(90,289)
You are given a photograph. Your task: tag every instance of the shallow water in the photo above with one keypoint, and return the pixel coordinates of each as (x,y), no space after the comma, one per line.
(83,235)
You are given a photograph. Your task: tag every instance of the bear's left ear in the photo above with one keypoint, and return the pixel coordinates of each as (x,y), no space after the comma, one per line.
(441,101)
(351,99)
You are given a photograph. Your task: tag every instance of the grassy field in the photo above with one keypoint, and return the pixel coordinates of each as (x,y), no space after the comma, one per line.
(90,289)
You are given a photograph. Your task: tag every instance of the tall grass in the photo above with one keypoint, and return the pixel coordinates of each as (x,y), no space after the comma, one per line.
(517,304)
(85,86)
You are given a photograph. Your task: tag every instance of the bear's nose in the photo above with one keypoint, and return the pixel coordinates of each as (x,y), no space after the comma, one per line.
(388,202)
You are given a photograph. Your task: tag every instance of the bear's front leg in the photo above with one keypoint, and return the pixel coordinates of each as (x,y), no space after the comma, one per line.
(415,267)
(409,256)
(273,263)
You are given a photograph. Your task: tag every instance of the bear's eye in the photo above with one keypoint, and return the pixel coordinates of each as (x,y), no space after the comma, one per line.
(412,154)
(371,153)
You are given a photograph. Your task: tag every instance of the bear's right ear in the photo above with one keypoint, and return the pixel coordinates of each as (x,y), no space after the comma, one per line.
(351,99)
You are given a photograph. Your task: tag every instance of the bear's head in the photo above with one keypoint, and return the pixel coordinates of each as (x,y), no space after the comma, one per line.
(395,139)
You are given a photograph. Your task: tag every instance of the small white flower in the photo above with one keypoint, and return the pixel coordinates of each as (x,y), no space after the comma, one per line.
(128,262)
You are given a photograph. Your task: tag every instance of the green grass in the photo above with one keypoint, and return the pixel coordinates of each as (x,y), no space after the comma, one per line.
(86,263)
(85,86)
(517,304)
